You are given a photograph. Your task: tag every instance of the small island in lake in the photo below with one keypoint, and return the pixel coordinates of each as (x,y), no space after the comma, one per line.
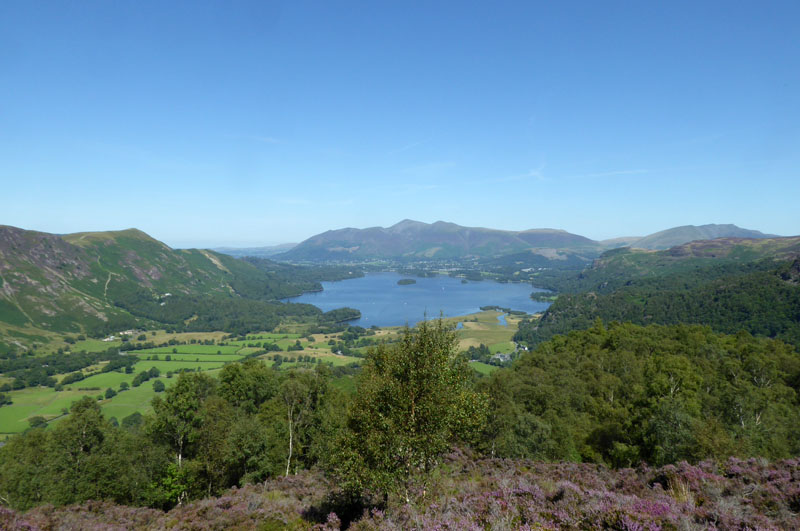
(406,281)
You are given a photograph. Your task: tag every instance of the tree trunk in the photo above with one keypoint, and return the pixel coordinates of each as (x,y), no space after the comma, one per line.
(289,460)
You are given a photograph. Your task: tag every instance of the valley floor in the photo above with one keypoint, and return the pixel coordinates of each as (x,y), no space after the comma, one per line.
(483,327)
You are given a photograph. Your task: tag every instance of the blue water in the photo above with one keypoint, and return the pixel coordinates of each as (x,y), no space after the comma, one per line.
(383,303)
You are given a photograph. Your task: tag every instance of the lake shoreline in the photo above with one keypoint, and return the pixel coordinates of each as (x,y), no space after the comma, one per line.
(383,301)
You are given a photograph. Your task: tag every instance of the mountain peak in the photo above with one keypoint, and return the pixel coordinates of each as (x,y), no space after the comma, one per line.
(687,233)
(407,224)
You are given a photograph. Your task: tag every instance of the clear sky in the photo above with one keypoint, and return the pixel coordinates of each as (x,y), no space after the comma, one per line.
(252,123)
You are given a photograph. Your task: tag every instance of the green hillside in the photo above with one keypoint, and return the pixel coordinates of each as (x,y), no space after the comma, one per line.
(103,282)
(729,284)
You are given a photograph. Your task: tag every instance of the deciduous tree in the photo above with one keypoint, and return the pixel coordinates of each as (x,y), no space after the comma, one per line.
(414,401)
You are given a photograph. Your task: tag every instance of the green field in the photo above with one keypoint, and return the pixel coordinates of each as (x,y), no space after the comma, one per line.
(503,346)
(265,337)
(46,402)
(192,357)
(132,400)
(175,366)
(94,345)
(137,398)
(483,327)
(284,343)
(483,368)
(247,351)
(41,401)
(332,359)
(192,349)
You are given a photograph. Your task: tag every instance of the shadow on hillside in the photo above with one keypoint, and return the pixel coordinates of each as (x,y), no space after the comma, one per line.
(338,510)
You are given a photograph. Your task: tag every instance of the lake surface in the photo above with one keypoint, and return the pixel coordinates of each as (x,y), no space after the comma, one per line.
(383,302)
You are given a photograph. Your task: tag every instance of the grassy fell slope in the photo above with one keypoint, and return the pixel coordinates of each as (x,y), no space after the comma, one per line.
(108,280)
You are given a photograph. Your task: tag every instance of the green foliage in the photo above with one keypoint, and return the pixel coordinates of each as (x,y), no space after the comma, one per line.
(627,393)
(177,419)
(247,385)
(82,457)
(140,378)
(135,281)
(31,371)
(414,401)
(37,422)
(761,297)
(133,421)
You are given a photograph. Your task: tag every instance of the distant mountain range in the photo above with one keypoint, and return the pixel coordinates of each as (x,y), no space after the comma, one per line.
(414,240)
(257,252)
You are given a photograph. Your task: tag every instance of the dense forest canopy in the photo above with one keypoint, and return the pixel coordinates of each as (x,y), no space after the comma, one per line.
(727,285)
(660,394)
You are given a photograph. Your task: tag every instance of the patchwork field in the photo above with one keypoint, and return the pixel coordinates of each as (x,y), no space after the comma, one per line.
(484,327)
(487,328)
(51,404)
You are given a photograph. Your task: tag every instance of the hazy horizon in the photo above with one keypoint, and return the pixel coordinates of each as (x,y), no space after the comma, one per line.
(189,244)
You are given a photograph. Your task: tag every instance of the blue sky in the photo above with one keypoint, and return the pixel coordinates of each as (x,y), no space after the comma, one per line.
(251,123)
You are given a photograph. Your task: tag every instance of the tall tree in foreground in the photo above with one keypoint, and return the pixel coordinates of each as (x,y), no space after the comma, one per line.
(414,401)
(178,416)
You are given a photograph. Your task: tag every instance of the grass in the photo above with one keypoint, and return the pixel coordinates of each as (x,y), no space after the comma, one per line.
(483,368)
(155,336)
(284,343)
(192,349)
(330,358)
(265,337)
(37,401)
(46,402)
(246,351)
(94,345)
(193,357)
(479,328)
(484,327)
(175,366)
(103,380)
(133,400)
(503,346)
(138,398)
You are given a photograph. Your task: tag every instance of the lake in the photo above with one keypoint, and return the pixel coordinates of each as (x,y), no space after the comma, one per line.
(383,302)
